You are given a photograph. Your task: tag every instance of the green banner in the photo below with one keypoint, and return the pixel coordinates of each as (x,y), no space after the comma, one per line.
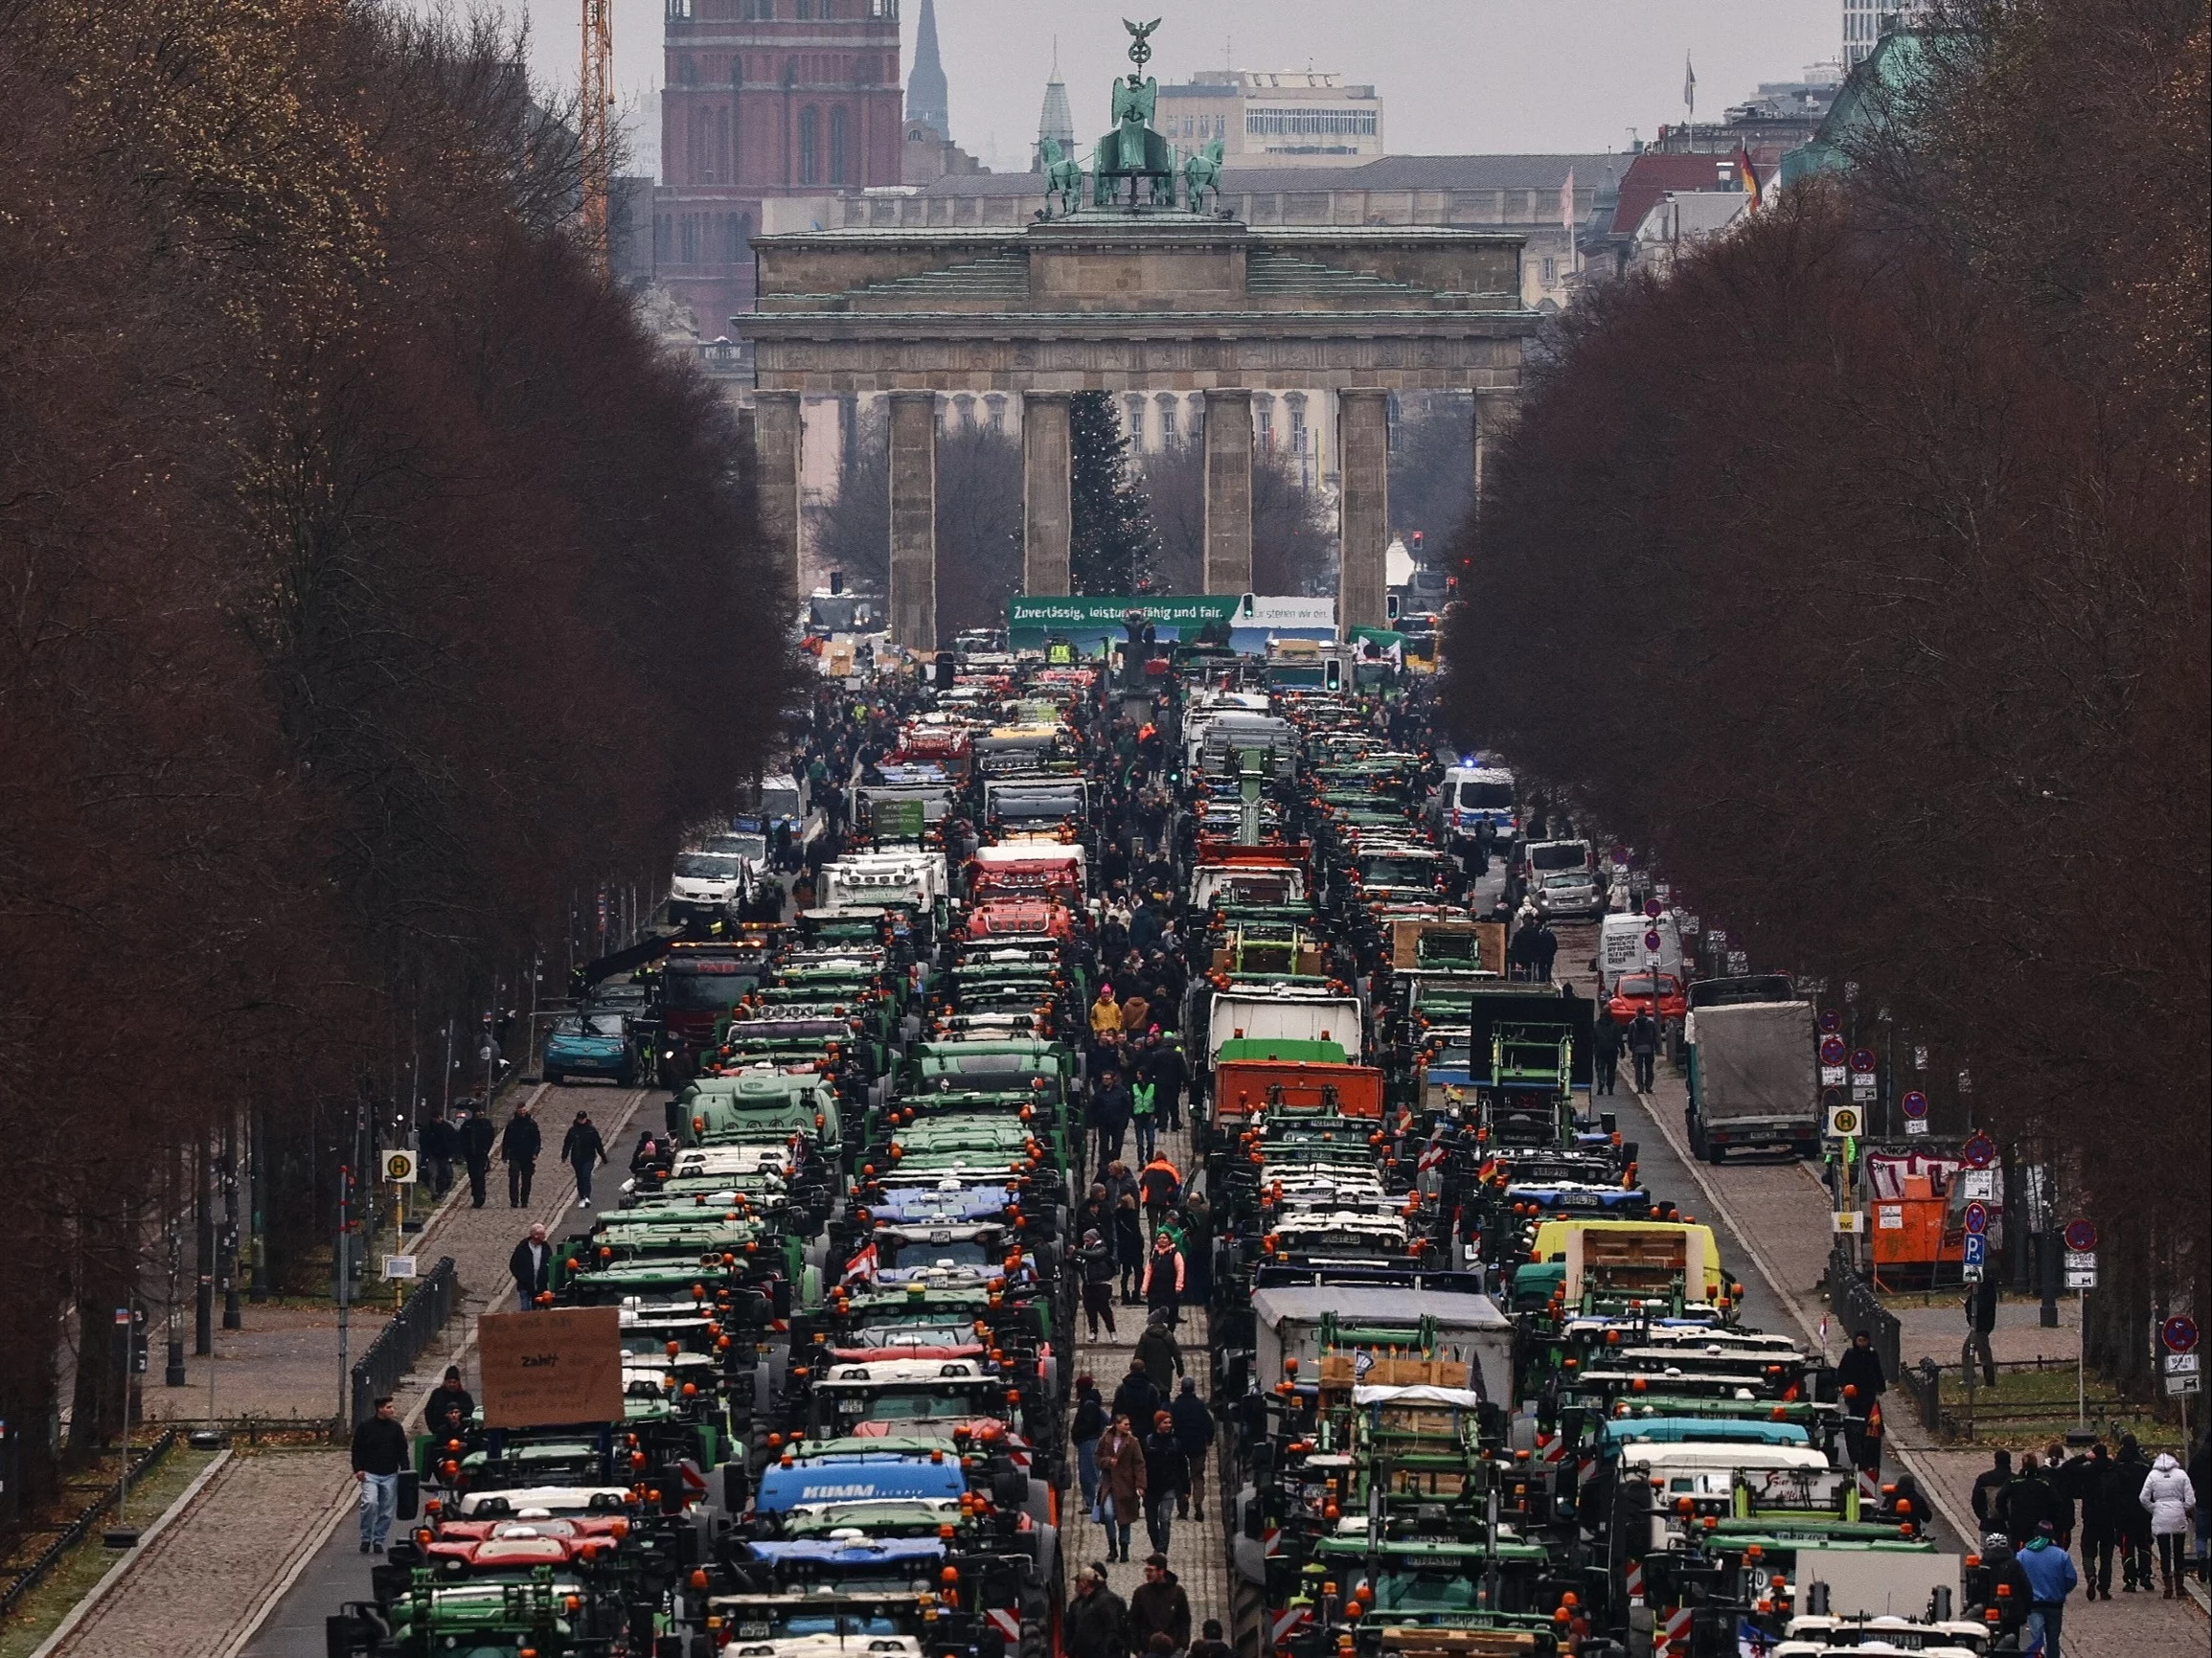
(899,819)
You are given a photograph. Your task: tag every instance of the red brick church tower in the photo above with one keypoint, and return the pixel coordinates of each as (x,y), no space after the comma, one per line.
(761,98)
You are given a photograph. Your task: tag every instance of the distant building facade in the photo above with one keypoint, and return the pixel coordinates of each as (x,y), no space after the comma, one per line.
(760,100)
(1281,118)
(929,100)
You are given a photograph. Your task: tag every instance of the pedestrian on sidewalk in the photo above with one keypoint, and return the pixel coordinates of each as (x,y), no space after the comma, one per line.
(1167,1481)
(1097,1618)
(1609,1051)
(1159,1607)
(1644,1047)
(519,1150)
(379,1456)
(1164,1070)
(1194,1433)
(1129,1246)
(1163,1284)
(1988,1486)
(1144,1118)
(2099,1531)
(451,1393)
(1137,1397)
(478,1136)
(1981,1317)
(1120,1467)
(1547,950)
(1096,1262)
(2171,1501)
(1109,1114)
(532,1265)
(2123,1498)
(2051,1577)
(438,1142)
(1160,1353)
(582,1150)
(1086,1432)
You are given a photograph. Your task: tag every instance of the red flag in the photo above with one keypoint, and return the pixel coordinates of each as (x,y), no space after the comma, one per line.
(862,1266)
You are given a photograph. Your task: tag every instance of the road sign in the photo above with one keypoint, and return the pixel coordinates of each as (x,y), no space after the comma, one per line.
(2184,1384)
(1971,1272)
(2180,1334)
(1832,1022)
(2081,1277)
(1739,962)
(400,1167)
(1862,1089)
(1980,1151)
(1914,1103)
(1977,1250)
(1844,1122)
(1981,1183)
(1916,1125)
(1851,989)
(1832,1051)
(2183,1363)
(1919,1056)
(1653,941)
(2080,1260)
(1653,908)
(2081,1235)
(1848,1221)
(1862,1060)
(1977,1219)
(1690,925)
(1831,1075)
(399,1266)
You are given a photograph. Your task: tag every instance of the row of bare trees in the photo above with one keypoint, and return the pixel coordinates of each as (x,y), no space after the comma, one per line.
(1861,566)
(367,582)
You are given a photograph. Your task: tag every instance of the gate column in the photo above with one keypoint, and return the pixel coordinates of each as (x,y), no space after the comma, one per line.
(776,456)
(913,519)
(1228,521)
(1363,531)
(1047,502)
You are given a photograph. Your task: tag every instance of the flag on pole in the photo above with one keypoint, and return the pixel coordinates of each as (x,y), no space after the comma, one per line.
(1750,175)
(1433,1152)
(862,1266)
(1567,201)
(1689,86)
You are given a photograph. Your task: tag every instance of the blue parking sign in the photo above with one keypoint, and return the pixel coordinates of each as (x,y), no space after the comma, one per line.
(1977,1247)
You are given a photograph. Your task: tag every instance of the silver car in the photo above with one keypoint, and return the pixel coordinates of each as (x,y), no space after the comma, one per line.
(1566,893)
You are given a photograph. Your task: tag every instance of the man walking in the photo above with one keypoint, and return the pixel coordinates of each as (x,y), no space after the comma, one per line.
(519,1150)
(1159,1607)
(1608,1053)
(532,1265)
(1981,1317)
(1644,1047)
(2098,1532)
(1167,1482)
(478,1136)
(379,1455)
(1097,1618)
(2051,1577)
(1111,1106)
(439,1142)
(582,1150)
(1194,1433)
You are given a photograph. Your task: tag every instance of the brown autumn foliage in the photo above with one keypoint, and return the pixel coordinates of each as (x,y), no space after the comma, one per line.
(370,583)
(1861,566)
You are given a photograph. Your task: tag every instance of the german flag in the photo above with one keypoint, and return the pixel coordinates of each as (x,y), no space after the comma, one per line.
(1750,175)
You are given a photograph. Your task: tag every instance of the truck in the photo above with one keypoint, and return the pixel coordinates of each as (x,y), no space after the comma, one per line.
(1754,1083)
(1264,1011)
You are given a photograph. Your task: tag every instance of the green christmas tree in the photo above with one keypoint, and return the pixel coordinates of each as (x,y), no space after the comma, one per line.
(1111,541)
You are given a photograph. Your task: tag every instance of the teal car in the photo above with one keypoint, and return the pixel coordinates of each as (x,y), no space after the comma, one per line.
(591,1045)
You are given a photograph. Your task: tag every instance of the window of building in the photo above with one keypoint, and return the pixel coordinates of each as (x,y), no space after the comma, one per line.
(1551,268)
(679,11)
(996,407)
(807,10)
(838,157)
(809,144)
(662,248)
(1264,407)
(1295,402)
(1168,436)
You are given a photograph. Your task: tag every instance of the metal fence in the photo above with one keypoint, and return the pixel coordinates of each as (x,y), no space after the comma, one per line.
(379,1370)
(1852,1301)
(142,1462)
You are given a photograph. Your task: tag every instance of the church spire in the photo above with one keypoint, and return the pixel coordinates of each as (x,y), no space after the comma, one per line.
(1054,121)
(926,95)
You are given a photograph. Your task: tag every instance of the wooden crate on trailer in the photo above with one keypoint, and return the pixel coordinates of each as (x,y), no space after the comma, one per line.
(1417,1641)
(1337,1371)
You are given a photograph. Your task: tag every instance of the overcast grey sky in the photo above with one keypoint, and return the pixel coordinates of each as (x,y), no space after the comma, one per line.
(1455,75)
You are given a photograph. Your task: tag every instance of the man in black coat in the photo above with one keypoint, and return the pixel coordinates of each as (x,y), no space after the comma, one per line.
(1607,1038)
(519,1150)
(379,1458)
(532,1265)
(1988,1486)
(582,1150)
(1137,1397)
(1194,1433)
(1163,1069)
(1097,1618)
(1644,1047)
(1109,1115)
(478,1135)
(439,1144)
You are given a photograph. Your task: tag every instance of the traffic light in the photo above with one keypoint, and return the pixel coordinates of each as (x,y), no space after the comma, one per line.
(1333,674)
(945,666)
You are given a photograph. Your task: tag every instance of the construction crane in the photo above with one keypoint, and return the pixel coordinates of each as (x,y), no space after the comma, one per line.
(594,108)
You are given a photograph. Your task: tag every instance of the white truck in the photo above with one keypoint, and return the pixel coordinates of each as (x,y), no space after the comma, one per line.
(1281,1012)
(1754,1079)
(912,880)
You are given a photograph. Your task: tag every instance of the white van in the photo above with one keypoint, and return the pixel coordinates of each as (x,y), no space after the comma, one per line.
(1622,948)
(1470,795)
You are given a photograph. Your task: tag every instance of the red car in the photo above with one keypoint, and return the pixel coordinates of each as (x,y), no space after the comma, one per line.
(1632,995)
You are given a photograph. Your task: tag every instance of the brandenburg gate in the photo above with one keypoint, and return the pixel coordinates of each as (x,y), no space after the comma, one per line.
(1142,294)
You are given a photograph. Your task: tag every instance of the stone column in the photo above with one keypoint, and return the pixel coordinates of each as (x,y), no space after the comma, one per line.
(776,428)
(1228,540)
(913,519)
(1047,504)
(1364,530)
(1493,413)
